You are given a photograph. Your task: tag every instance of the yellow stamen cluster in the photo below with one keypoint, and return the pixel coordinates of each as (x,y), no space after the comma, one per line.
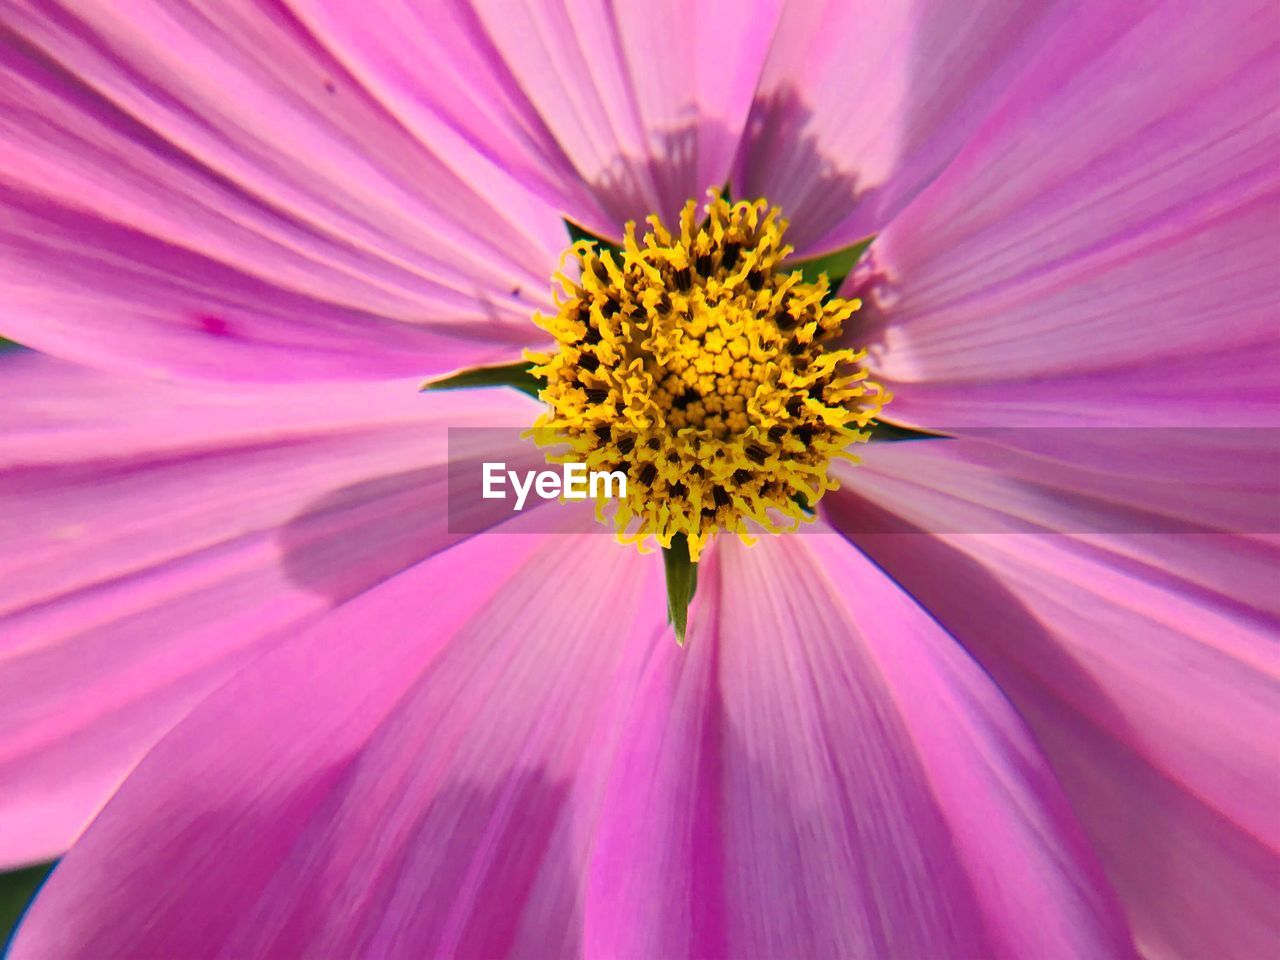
(696,365)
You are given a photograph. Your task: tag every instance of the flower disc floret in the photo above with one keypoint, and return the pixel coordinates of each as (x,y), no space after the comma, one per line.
(704,370)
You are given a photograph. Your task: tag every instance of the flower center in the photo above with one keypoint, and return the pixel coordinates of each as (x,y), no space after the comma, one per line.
(704,371)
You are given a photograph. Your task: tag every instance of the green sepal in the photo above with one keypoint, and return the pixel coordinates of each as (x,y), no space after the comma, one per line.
(835,265)
(515,375)
(682,582)
(17,889)
(577,233)
(883,432)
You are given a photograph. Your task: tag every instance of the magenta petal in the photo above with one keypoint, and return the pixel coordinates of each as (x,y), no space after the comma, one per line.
(211,192)
(421,790)
(1106,243)
(646,100)
(155,536)
(862,105)
(1143,661)
(823,773)
(437,70)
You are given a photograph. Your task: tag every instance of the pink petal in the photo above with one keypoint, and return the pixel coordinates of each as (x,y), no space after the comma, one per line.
(155,536)
(824,773)
(438,72)
(1088,480)
(211,192)
(645,100)
(1144,662)
(1106,244)
(413,777)
(862,105)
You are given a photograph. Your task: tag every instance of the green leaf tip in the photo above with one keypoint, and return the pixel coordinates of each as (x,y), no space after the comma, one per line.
(517,375)
(835,265)
(577,233)
(682,582)
(884,432)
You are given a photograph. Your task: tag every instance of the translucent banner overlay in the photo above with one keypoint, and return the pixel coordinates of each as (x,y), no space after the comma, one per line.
(1114,480)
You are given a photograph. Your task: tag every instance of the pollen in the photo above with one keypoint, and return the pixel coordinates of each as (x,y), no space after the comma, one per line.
(701,367)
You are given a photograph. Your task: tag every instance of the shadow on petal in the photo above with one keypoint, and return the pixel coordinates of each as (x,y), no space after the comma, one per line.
(480,870)
(1142,822)
(782,121)
(624,184)
(356,536)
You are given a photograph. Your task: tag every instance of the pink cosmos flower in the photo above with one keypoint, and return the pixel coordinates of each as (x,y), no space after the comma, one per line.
(1012,696)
